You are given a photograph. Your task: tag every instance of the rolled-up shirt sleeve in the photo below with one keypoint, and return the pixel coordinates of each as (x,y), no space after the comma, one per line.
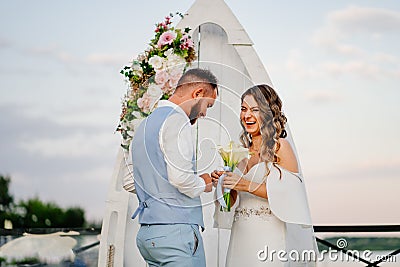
(176,142)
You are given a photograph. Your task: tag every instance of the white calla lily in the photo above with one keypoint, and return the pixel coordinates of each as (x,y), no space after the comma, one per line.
(232,154)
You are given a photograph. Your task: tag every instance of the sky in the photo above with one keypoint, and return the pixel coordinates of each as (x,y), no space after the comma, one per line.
(335,64)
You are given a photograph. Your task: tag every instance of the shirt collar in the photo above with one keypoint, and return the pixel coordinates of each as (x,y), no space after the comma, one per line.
(167,103)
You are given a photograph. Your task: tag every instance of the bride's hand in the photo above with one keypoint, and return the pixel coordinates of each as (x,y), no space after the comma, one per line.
(215,176)
(236,182)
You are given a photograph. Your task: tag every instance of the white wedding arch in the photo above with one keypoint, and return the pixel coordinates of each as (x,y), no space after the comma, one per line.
(224,47)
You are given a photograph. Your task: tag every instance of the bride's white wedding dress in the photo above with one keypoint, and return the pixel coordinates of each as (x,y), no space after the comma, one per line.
(255,228)
(264,234)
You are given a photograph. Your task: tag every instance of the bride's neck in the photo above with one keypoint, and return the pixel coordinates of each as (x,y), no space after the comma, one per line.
(256,142)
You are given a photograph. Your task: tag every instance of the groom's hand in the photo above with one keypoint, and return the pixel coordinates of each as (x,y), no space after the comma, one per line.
(207,179)
(215,176)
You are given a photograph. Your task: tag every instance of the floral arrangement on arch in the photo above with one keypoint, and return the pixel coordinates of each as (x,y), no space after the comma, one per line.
(154,75)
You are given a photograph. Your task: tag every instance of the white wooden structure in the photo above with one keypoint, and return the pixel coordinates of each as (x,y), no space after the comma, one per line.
(224,47)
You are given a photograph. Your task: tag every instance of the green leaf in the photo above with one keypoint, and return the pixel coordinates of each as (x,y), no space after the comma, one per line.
(126,147)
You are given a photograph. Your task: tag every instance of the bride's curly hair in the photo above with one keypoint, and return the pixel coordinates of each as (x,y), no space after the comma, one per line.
(272,124)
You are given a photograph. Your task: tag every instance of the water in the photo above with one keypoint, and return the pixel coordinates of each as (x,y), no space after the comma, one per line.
(86,258)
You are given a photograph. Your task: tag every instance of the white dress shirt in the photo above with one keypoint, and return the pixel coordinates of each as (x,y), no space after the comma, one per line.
(176,142)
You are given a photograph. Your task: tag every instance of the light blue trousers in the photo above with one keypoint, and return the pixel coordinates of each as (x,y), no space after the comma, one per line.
(171,245)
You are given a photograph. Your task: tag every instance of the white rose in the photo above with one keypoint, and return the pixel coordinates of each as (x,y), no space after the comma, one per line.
(157,62)
(142,57)
(137,69)
(169,52)
(175,61)
(154,91)
(137,114)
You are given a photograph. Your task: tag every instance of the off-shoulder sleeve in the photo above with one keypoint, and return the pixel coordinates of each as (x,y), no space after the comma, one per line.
(287,197)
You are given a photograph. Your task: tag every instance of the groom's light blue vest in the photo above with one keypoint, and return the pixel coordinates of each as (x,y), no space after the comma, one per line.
(159,201)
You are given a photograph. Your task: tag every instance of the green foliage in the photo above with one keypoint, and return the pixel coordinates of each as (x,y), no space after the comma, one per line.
(34,213)
(40,214)
(141,74)
(74,217)
(5,198)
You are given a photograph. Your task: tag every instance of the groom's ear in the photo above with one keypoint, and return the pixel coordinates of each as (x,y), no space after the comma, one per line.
(198,92)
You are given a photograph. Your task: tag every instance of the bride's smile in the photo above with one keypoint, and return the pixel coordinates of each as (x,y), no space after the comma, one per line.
(250,116)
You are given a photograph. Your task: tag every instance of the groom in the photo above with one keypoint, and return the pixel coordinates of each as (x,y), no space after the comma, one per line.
(167,185)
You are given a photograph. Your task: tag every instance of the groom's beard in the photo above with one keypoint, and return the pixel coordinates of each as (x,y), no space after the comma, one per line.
(194,113)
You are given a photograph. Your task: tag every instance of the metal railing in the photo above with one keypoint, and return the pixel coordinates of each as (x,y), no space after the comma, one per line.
(357,229)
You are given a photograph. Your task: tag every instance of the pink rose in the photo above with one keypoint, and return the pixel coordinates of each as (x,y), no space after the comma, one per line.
(186,42)
(161,77)
(166,38)
(144,102)
(174,77)
(166,88)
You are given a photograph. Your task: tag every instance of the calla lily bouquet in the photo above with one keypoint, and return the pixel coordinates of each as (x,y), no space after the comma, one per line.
(231,154)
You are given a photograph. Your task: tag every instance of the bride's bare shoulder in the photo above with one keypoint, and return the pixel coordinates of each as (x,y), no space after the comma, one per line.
(287,156)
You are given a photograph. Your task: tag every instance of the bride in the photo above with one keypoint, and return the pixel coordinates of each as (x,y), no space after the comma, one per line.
(271,219)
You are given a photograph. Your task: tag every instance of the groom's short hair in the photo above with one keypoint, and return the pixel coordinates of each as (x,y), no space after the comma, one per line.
(196,76)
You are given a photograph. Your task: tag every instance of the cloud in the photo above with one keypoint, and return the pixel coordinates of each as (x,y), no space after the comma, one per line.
(342,26)
(68,164)
(372,68)
(361,68)
(86,188)
(107,59)
(347,201)
(346,35)
(367,20)
(378,166)
(386,168)
(4,43)
(361,185)
(322,96)
(52,51)
(385,58)
(372,22)
(59,54)
(77,145)
(295,65)
(37,145)
(56,53)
